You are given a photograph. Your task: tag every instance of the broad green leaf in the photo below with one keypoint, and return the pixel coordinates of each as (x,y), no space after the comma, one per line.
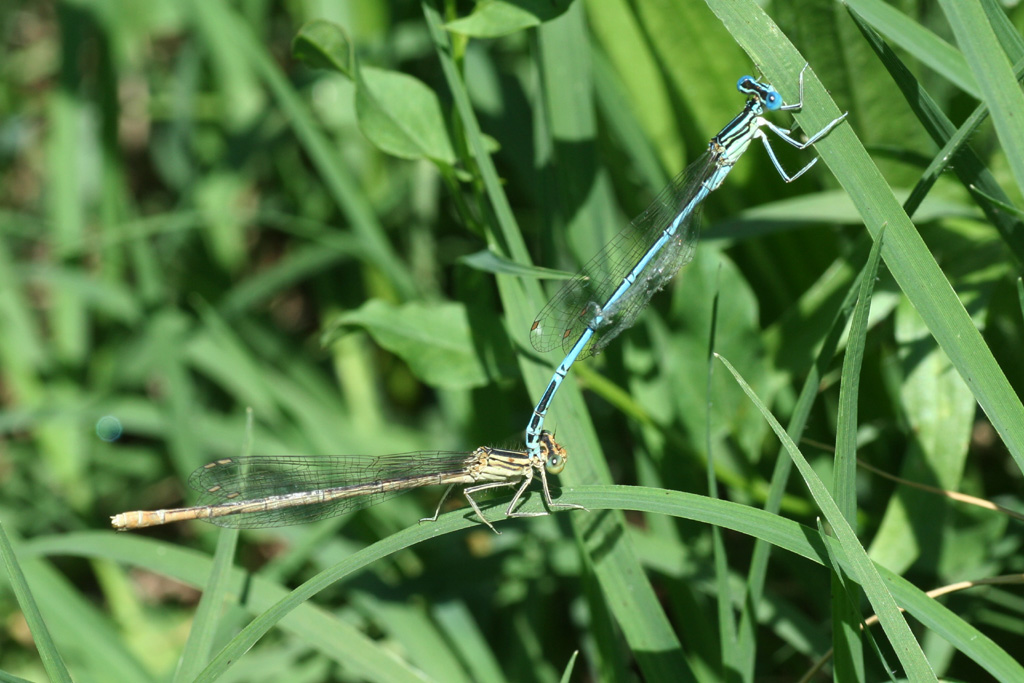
(402,116)
(493,18)
(325,45)
(434,339)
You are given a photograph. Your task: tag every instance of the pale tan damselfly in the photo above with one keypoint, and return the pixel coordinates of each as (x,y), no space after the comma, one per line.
(267,491)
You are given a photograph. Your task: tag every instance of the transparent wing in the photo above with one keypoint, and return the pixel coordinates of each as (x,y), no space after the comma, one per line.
(569,313)
(621,315)
(281,480)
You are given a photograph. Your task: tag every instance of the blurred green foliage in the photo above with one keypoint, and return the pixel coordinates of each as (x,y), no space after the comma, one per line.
(207,207)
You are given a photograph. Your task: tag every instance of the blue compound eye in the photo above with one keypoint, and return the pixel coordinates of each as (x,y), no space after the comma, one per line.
(743,85)
(772,100)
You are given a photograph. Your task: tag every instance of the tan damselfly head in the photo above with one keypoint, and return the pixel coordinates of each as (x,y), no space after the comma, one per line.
(553,453)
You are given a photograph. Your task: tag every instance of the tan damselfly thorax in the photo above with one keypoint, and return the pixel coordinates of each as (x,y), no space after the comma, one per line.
(267,491)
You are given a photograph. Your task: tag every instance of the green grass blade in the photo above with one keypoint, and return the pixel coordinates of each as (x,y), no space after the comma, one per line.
(804,542)
(905,253)
(1020,294)
(633,600)
(464,634)
(993,69)
(189,203)
(953,142)
(844,484)
(318,628)
(510,235)
(48,652)
(423,640)
(1010,37)
(863,571)
(918,41)
(277,612)
(727,634)
(846,620)
(66,155)
(86,634)
(200,641)
(830,338)
(310,621)
(569,666)
(848,651)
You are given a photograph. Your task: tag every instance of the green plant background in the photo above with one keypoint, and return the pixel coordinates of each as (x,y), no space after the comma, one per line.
(345,216)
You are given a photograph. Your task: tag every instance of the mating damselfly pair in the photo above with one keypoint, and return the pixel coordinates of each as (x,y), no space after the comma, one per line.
(597,304)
